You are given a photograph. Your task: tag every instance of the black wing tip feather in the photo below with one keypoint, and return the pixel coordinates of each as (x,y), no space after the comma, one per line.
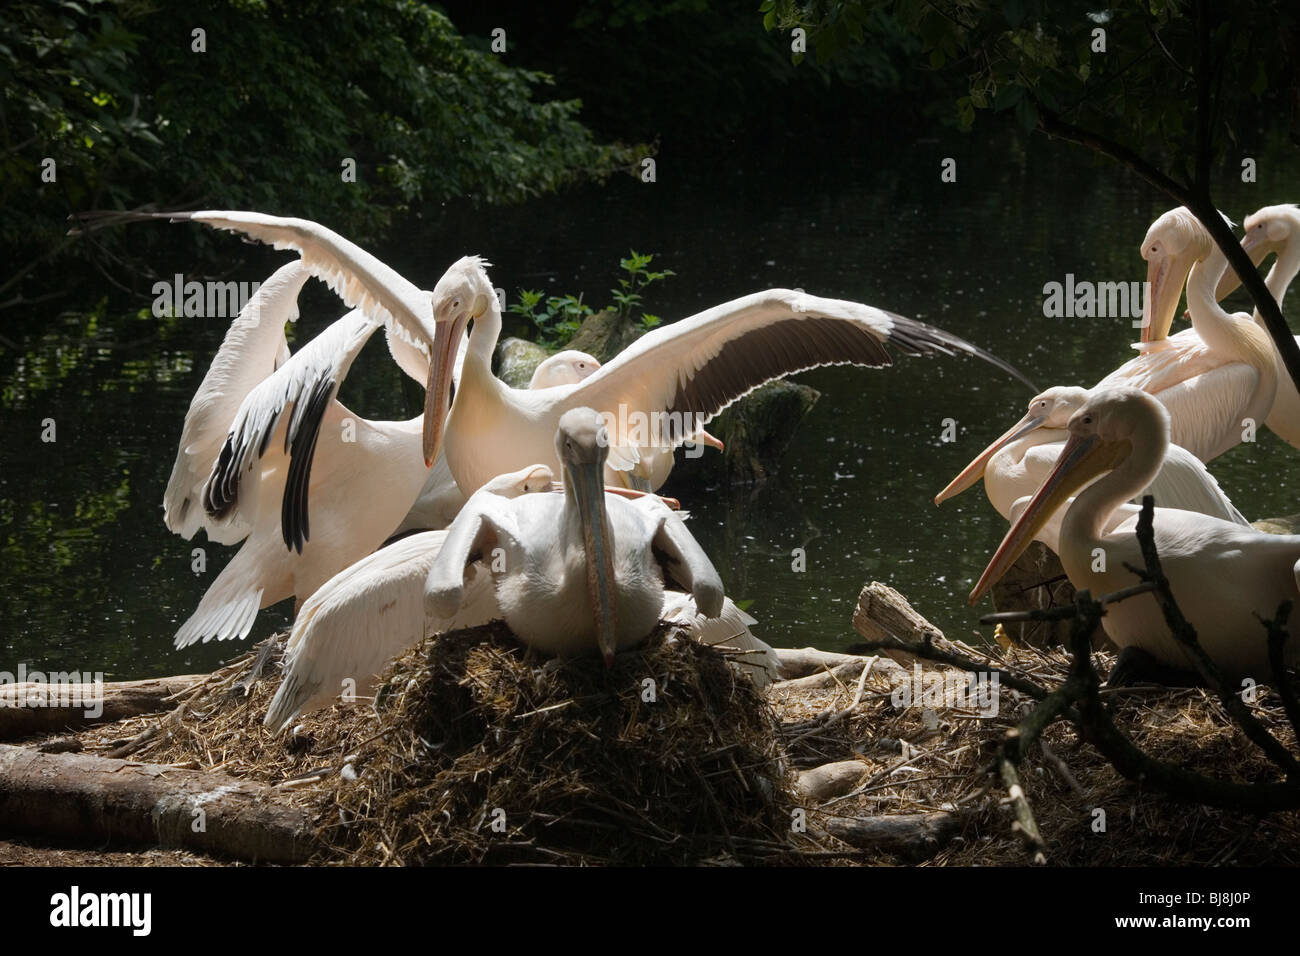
(294,525)
(221,493)
(918,338)
(92,219)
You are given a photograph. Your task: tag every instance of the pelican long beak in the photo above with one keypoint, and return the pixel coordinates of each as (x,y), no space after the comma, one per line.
(1258,249)
(975,470)
(586,481)
(704,438)
(437,394)
(1165,278)
(1083,458)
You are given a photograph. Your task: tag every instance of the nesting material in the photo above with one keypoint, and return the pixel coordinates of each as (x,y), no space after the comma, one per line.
(491,755)
(586,771)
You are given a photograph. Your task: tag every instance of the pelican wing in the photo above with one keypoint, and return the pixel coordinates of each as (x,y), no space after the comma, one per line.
(362,618)
(485,519)
(729,630)
(683,560)
(695,368)
(1206,412)
(357,277)
(305,386)
(1183,482)
(1206,396)
(253,348)
(1163,364)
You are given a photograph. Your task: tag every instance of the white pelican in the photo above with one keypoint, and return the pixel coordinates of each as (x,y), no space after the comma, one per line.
(1016,463)
(563,368)
(1221,574)
(374,610)
(658,391)
(1213,377)
(440,500)
(580,571)
(1268,230)
(254,346)
(371,611)
(328,486)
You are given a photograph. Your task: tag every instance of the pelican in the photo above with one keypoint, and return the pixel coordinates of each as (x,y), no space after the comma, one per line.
(373,610)
(1268,230)
(440,500)
(580,571)
(1221,574)
(254,347)
(1214,377)
(563,368)
(292,442)
(657,392)
(1017,462)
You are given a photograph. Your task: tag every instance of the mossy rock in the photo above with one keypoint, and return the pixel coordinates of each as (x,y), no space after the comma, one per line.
(517,359)
(604,335)
(755,431)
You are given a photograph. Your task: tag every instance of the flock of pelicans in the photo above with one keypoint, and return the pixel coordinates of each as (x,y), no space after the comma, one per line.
(536,505)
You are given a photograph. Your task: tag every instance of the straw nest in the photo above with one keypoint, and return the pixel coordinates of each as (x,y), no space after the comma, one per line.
(476,751)
(917,762)
(586,769)
(671,756)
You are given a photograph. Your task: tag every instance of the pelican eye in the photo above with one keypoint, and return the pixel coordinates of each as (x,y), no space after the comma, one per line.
(1087,419)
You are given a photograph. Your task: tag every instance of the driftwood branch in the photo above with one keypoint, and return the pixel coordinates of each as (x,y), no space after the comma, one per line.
(893,627)
(914,836)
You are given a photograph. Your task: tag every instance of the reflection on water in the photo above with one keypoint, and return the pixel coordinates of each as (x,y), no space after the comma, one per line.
(94,580)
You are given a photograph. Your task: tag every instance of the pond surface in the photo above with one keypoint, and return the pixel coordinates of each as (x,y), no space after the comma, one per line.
(93,580)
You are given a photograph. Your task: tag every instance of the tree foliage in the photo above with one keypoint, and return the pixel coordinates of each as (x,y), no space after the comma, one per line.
(118,95)
(1124,71)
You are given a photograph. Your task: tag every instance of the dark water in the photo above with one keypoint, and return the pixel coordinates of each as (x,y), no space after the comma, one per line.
(92,579)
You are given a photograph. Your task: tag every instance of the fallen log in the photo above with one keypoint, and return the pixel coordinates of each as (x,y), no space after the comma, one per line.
(98,799)
(32,708)
(829,780)
(914,836)
(843,673)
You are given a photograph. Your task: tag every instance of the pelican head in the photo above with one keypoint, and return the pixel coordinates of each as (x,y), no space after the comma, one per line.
(462,294)
(1268,230)
(1175,242)
(563,368)
(526,481)
(582,444)
(1102,433)
(1051,409)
